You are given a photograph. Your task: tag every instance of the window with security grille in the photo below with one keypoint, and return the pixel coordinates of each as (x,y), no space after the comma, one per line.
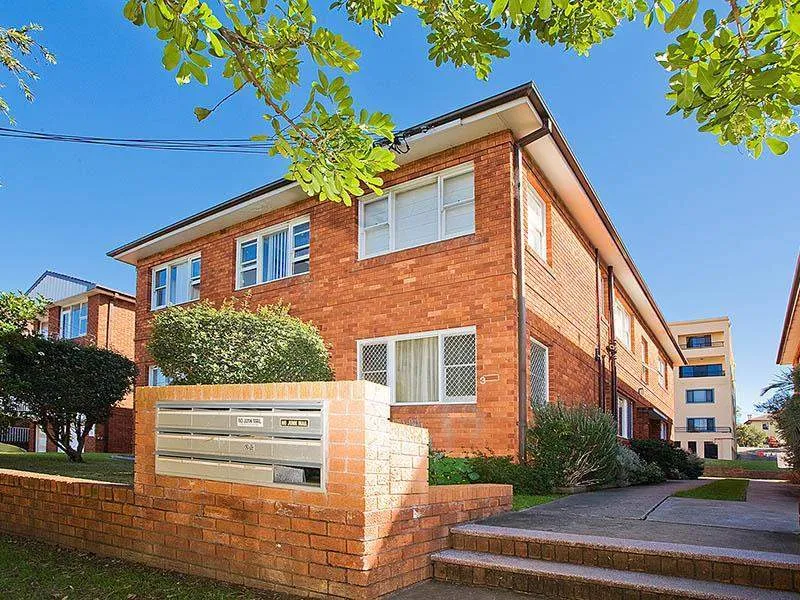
(423,368)
(374,363)
(540,369)
(459,367)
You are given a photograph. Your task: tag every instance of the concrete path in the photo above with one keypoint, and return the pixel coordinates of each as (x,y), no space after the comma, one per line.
(771,506)
(628,514)
(436,590)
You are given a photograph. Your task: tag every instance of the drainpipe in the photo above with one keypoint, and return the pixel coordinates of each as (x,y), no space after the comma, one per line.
(612,344)
(598,355)
(519,260)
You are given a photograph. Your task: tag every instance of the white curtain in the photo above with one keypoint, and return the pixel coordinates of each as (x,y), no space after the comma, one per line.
(417,370)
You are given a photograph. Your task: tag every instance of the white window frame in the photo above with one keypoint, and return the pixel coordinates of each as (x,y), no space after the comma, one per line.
(623,424)
(619,309)
(151,376)
(390,342)
(535,342)
(662,372)
(390,194)
(258,238)
(532,196)
(190,281)
(644,351)
(83,322)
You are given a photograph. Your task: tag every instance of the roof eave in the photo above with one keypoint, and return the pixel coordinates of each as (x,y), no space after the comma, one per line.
(791,310)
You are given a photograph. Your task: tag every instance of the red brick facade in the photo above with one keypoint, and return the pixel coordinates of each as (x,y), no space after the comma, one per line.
(466,281)
(111,323)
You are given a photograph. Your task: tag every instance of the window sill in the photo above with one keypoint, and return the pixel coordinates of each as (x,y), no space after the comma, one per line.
(158,308)
(465,403)
(540,259)
(428,246)
(287,279)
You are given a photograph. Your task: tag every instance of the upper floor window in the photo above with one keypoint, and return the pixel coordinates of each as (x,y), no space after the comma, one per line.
(701,424)
(662,372)
(274,253)
(537,221)
(74,320)
(622,324)
(423,368)
(698,341)
(421,211)
(701,370)
(645,361)
(700,396)
(176,282)
(765,426)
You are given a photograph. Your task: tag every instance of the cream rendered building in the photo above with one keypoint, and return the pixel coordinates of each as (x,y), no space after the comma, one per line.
(705,390)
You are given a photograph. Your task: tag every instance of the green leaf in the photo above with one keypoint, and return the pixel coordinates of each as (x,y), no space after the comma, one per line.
(498,6)
(778,147)
(201,113)
(172,56)
(545,9)
(190,6)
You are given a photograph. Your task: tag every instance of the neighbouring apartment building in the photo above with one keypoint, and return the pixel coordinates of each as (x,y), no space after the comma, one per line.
(87,312)
(766,424)
(705,388)
(486,278)
(789,346)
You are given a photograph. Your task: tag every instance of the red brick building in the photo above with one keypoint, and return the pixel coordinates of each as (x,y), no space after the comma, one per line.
(487,277)
(89,313)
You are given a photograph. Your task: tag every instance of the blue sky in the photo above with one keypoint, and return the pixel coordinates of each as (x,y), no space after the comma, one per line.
(713,231)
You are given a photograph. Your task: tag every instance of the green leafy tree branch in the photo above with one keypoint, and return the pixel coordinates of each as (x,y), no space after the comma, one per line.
(18,47)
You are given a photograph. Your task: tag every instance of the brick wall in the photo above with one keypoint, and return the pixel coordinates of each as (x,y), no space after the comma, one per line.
(370,532)
(459,282)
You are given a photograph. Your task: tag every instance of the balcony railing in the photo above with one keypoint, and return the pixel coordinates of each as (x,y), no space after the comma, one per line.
(701,430)
(701,345)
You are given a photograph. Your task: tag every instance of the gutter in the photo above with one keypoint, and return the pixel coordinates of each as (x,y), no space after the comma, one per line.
(519,259)
(790,308)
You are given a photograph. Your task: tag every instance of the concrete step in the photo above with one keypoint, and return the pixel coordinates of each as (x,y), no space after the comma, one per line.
(549,579)
(768,570)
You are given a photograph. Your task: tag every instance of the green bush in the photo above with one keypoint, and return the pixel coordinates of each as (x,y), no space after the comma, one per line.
(632,470)
(573,446)
(674,462)
(447,470)
(202,344)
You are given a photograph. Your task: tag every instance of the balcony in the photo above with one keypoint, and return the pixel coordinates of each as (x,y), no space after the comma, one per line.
(701,430)
(699,345)
(688,371)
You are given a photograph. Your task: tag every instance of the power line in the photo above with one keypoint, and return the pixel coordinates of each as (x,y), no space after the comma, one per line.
(228,146)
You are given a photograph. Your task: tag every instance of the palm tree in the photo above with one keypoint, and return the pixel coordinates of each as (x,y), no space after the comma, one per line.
(784,405)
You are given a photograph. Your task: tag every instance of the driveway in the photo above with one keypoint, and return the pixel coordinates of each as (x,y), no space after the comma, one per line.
(766,522)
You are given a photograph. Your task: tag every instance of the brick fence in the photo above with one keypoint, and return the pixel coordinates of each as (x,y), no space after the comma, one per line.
(370,532)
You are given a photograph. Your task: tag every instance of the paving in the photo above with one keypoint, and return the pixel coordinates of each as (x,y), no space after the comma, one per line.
(635,513)
(770,507)
(437,590)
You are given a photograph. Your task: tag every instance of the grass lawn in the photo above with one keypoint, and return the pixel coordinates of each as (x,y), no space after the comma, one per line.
(100,467)
(33,570)
(722,489)
(521,501)
(747,465)
(9,449)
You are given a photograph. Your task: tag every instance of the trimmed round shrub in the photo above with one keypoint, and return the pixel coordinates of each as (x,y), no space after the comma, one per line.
(573,445)
(203,344)
(674,462)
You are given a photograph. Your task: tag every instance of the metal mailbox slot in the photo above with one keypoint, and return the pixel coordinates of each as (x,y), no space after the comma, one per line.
(261,444)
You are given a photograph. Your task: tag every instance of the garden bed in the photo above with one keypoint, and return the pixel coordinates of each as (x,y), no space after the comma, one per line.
(96,466)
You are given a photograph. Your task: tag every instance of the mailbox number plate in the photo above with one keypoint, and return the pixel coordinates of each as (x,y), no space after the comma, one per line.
(294,422)
(249,421)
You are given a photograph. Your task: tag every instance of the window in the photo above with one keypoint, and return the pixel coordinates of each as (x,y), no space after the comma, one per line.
(663,433)
(423,368)
(274,253)
(765,426)
(622,324)
(645,357)
(624,417)
(74,320)
(425,210)
(699,396)
(701,424)
(540,373)
(537,221)
(176,282)
(42,329)
(701,370)
(662,372)
(157,378)
(698,341)
(692,447)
